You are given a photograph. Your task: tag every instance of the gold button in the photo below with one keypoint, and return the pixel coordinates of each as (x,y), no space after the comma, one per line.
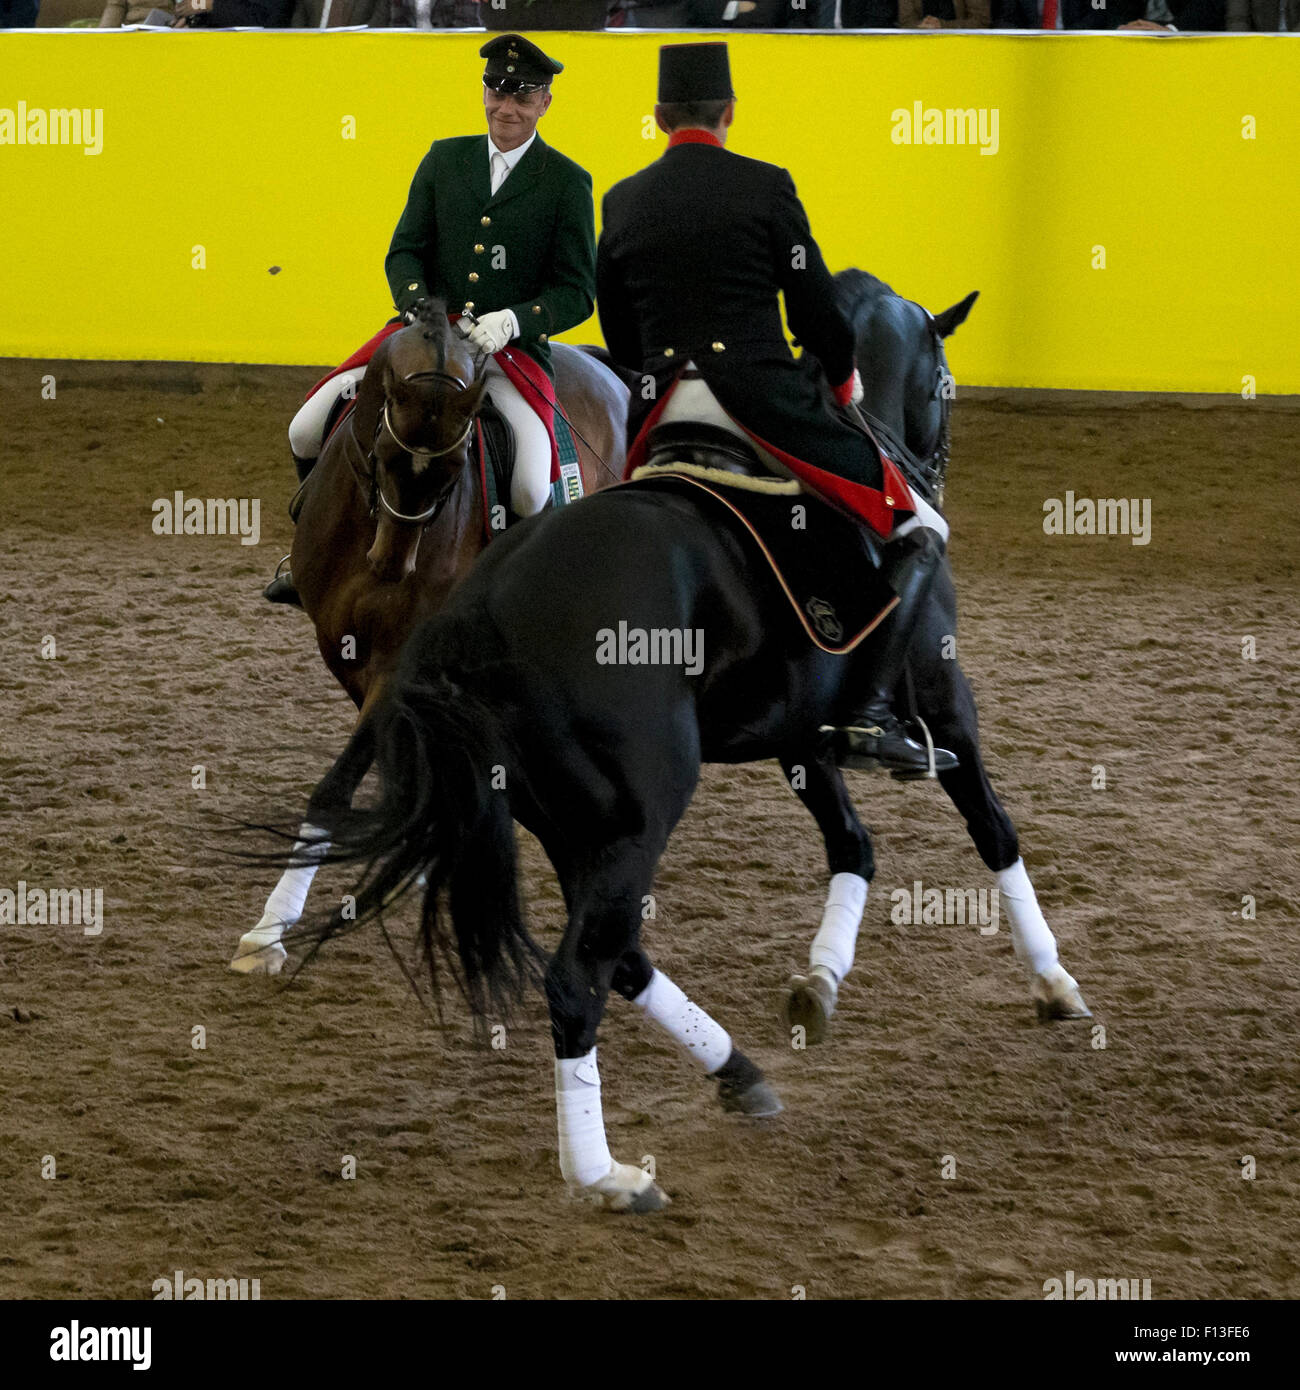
(542,338)
(469,304)
(485,221)
(414,285)
(537,308)
(889,501)
(473,277)
(719,347)
(668,352)
(478,248)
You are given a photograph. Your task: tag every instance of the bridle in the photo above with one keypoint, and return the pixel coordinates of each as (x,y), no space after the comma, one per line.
(368,480)
(930,471)
(934,466)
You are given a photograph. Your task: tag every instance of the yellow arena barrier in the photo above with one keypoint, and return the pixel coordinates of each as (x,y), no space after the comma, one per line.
(1125,204)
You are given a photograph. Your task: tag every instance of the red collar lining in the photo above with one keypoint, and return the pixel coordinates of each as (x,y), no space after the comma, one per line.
(692,136)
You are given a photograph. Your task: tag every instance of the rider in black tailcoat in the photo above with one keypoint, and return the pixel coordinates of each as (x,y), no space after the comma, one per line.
(692,255)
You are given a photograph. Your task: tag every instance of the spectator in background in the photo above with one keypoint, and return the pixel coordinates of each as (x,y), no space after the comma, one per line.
(232,14)
(705,14)
(869,14)
(1265,16)
(944,14)
(341,14)
(1182,16)
(815,14)
(427,14)
(651,14)
(19,14)
(120,12)
(1156,15)
(1066,14)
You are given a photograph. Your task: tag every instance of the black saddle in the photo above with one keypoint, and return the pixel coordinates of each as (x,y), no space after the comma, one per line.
(498,441)
(706,446)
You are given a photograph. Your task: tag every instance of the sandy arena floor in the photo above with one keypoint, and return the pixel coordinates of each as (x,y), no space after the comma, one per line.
(226,1162)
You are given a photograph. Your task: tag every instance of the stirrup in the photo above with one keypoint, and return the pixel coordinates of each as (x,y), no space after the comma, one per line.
(282,589)
(937,759)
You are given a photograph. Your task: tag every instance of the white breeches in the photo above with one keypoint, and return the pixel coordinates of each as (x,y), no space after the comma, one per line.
(307,429)
(531,485)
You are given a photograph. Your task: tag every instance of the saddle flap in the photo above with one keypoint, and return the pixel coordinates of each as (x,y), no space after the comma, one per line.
(826,564)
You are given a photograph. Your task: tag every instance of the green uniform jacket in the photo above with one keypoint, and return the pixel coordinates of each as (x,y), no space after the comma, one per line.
(531,247)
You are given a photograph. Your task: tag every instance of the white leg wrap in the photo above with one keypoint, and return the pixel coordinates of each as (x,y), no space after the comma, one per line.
(584,1152)
(832,947)
(1031,937)
(531,484)
(703,1040)
(285,904)
(307,429)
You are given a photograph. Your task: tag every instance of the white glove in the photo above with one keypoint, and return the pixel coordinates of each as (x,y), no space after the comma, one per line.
(493,331)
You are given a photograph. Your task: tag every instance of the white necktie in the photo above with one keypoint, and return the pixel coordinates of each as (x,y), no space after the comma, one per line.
(499,170)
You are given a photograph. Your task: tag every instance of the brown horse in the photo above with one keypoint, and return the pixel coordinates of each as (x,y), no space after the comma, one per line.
(392,520)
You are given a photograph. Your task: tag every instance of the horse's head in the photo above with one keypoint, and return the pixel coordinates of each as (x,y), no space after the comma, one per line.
(421,443)
(905,375)
(928,391)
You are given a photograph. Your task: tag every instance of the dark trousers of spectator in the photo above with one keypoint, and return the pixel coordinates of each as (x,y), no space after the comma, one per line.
(707,14)
(869,14)
(18,14)
(815,14)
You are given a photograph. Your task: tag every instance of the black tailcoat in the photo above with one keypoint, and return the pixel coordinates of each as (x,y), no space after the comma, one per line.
(692,255)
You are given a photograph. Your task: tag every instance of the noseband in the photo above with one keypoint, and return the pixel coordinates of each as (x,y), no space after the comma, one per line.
(370,480)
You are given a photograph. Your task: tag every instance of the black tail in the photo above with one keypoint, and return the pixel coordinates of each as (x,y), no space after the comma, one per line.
(444,813)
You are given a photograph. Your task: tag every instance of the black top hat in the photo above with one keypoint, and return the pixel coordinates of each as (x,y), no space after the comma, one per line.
(694,72)
(515,65)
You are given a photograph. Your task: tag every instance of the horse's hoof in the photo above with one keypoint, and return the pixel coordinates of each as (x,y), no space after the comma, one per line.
(625,1188)
(758,1100)
(1056,996)
(259,954)
(809,1005)
(654,1198)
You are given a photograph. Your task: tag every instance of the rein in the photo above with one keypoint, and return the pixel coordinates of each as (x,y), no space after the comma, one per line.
(554,405)
(928,473)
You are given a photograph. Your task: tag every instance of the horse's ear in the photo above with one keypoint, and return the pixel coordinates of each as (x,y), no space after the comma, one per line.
(952,319)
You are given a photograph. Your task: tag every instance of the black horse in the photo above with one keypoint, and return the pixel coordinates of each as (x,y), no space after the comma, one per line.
(515,704)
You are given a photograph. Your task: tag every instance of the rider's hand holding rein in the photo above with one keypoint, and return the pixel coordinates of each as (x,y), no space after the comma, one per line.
(493,331)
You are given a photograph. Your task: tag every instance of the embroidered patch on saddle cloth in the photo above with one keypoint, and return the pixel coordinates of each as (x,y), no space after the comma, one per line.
(820,558)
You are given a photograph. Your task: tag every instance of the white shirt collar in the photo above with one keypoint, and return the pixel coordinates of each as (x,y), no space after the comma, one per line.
(511,157)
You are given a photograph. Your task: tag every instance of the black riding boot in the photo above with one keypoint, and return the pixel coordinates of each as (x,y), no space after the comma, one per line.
(877,737)
(281,589)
